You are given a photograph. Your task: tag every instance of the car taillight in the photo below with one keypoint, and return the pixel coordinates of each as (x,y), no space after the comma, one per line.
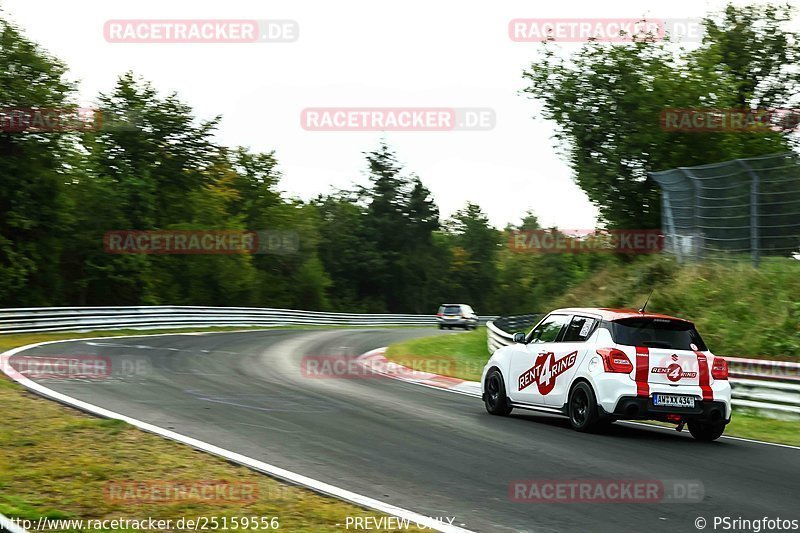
(719,370)
(463,315)
(439,314)
(615,361)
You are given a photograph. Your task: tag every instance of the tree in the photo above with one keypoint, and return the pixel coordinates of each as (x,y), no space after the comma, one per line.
(348,256)
(35,167)
(475,249)
(607,101)
(285,278)
(378,243)
(151,166)
(399,220)
(752,46)
(529,280)
(421,256)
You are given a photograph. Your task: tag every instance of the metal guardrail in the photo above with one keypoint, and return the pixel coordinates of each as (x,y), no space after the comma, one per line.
(500,331)
(38,319)
(758,383)
(514,323)
(755,383)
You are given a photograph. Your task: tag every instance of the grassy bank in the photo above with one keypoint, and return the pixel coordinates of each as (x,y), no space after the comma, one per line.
(740,310)
(58,462)
(460,355)
(470,353)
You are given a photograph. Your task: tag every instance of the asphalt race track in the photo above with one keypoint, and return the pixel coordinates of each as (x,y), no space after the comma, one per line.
(427,450)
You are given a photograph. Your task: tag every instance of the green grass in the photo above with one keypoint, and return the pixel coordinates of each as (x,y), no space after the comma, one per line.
(740,311)
(749,424)
(56,462)
(463,355)
(460,355)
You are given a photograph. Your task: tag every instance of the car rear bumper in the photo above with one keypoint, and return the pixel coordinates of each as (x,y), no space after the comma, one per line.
(612,390)
(457,322)
(637,407)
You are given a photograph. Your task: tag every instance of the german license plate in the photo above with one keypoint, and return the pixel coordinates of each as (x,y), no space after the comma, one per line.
(673,400)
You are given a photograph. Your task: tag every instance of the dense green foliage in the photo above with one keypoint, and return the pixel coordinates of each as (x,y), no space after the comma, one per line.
(154,165)
(607,101)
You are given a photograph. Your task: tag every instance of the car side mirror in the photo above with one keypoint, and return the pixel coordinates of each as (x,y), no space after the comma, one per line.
(519,338)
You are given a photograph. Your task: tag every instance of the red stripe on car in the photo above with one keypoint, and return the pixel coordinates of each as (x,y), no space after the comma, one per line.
(702,371)
(642,369)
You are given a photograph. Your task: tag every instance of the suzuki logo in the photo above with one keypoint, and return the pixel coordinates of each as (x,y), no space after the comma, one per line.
(674,357)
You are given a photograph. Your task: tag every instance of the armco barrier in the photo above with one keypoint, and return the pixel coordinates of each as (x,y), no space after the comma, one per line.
(28,320)
(756,383)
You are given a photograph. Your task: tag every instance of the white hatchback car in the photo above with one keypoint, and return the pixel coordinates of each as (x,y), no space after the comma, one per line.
(600,365)
(456,316)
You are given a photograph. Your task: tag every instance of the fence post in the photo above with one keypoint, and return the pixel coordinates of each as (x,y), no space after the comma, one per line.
(696,249)
(670,223)
(755,250)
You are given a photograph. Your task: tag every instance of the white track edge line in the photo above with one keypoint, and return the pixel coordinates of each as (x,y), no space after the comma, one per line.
(419,383)
(271,470)
(7,524)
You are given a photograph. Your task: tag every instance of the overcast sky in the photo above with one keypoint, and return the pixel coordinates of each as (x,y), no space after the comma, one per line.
(410,53)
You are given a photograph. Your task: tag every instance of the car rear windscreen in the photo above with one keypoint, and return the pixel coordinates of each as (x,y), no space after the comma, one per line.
(657,333)
(452,310)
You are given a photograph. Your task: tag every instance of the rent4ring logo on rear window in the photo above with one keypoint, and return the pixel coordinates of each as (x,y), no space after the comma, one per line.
(545,371)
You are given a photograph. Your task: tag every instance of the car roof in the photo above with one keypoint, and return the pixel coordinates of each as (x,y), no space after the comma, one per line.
(612,314)
(448,305)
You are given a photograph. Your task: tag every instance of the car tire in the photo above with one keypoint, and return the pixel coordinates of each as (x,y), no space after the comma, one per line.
(584,416)
(494,397)
(706,431)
